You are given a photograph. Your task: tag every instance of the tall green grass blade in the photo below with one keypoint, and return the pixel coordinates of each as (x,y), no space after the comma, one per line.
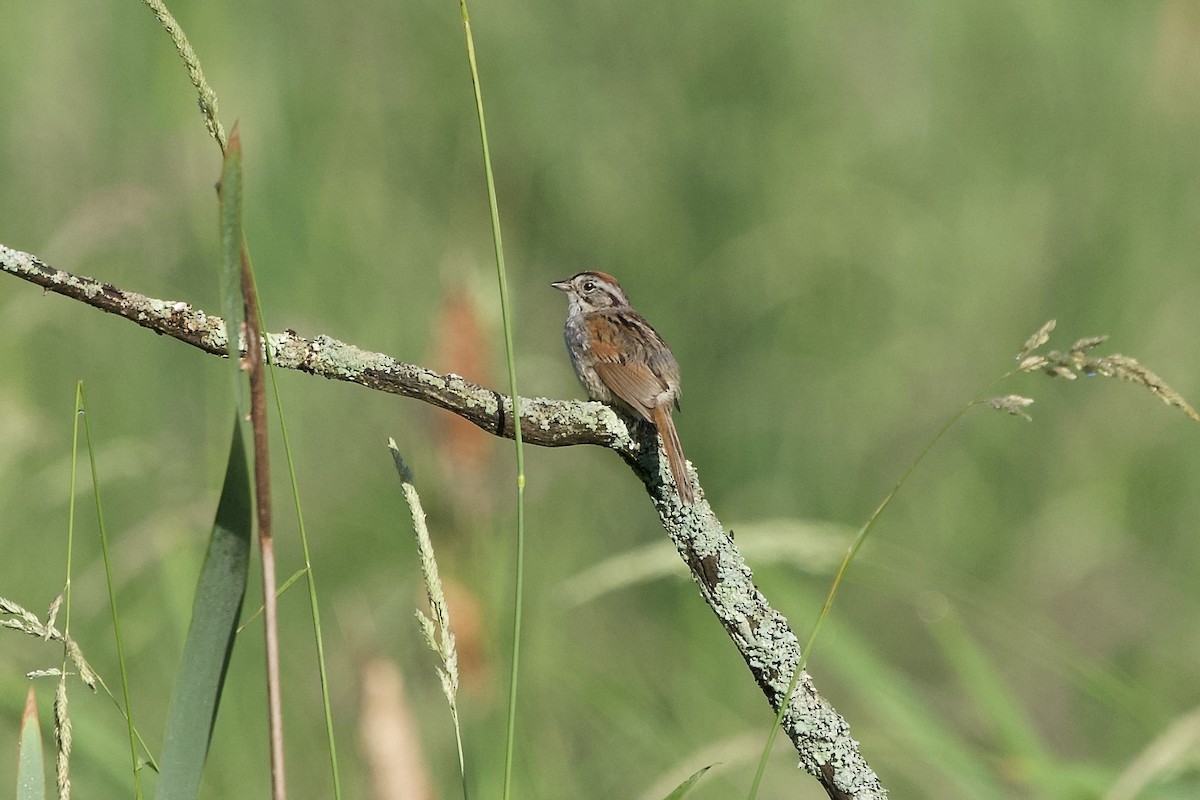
(215,612)
(687,785)
(31,760)
(1019,744)
(1017,735)
(112,594)
(283,587)
(232,305)
(510,355)
(1166,767)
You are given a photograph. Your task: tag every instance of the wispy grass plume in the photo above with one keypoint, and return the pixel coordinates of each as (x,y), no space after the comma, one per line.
(1078,360)
(207,97)
(435,626)
(15,617)
(27,622)
(62,740)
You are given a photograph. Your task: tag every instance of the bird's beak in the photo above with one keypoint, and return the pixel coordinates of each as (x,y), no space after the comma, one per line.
(562,286)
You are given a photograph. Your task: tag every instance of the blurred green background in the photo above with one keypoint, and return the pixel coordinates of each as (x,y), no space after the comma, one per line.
(846,218)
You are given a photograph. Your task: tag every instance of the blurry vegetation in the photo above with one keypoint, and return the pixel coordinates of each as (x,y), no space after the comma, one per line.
(844,218)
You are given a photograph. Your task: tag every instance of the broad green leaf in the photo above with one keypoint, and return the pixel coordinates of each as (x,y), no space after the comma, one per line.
(215,612)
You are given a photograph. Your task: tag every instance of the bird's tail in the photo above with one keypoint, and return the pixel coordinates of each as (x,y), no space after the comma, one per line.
(661,417)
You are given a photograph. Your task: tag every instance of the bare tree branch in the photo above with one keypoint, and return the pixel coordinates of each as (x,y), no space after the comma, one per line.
(549,423)
(760,633)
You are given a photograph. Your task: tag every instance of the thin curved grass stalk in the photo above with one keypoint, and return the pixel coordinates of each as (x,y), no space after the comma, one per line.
(1072,363)
(851,552)
(81,413)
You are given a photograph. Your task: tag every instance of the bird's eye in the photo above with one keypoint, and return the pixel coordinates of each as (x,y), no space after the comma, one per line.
(589,286)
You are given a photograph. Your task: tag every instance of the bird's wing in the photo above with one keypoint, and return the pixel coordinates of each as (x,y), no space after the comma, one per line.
(637,371)
(632,382)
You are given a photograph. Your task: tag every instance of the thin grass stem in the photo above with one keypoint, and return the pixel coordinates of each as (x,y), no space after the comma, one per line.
(314,607)
(1054,364)
(510,355)
(851,553)
(62,723)
(81,404)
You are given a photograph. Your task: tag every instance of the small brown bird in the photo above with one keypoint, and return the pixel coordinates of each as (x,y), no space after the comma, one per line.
(621,360)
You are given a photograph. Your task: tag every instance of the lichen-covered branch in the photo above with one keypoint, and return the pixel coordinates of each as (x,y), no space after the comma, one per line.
(760,633)
(549,423)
